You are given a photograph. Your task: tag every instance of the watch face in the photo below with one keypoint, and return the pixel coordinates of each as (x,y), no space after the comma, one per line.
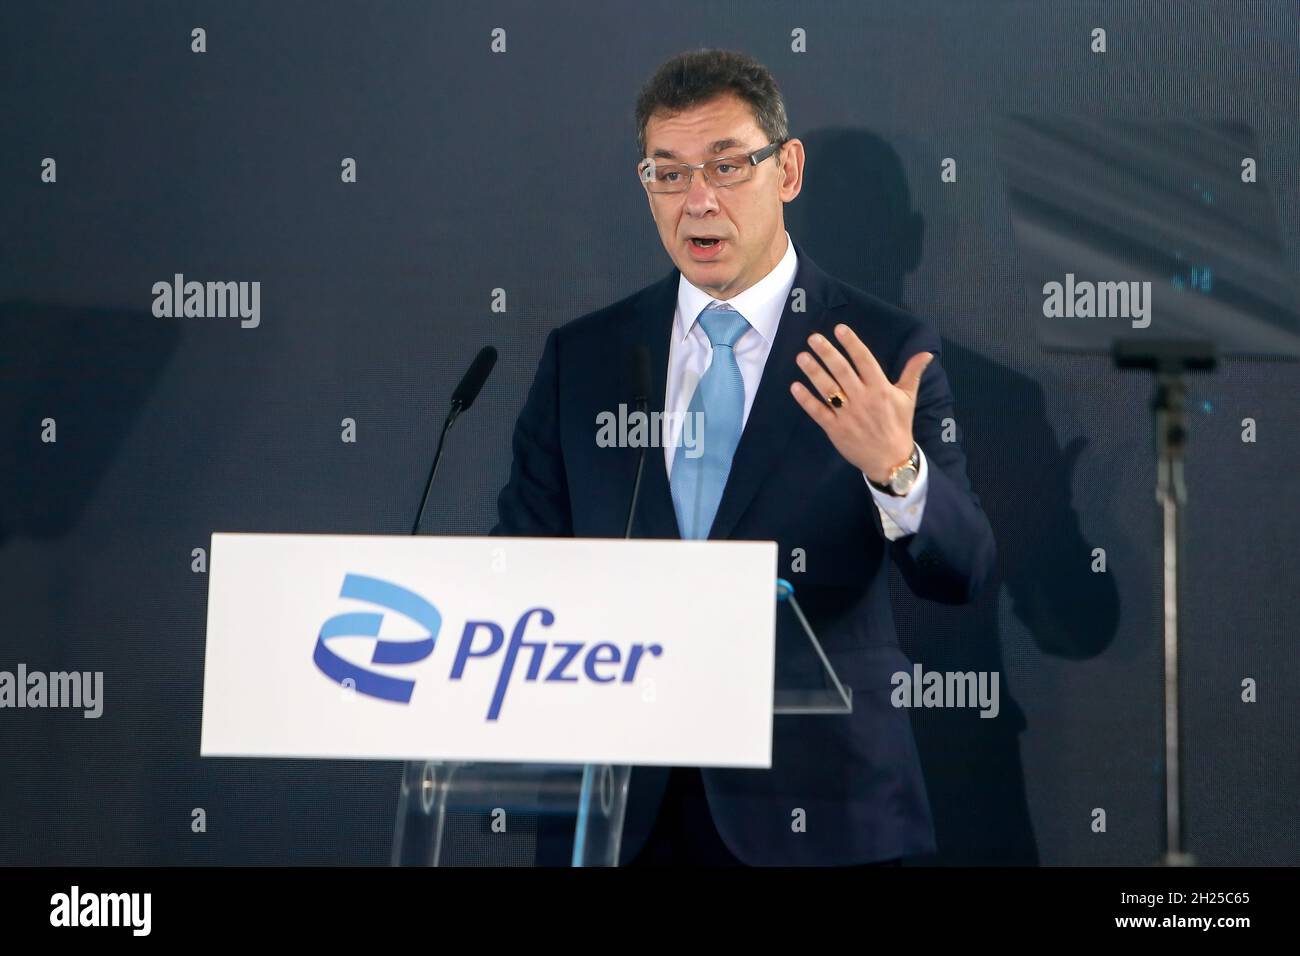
(903,480)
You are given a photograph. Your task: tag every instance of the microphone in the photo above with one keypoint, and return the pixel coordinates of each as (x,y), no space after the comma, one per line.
(472,383)
(461,399)
(638,379)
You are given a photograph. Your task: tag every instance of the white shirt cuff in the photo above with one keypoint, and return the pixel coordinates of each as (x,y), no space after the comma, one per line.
(901,516)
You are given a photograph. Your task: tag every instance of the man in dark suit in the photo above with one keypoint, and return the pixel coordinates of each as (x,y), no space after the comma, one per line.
(826,427)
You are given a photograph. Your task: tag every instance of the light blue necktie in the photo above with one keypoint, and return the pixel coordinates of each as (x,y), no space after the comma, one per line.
(697,482)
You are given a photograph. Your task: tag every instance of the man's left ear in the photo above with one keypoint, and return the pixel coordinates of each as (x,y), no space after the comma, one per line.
(792,158)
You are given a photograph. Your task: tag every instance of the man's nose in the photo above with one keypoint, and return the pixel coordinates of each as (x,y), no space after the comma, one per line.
(701,196)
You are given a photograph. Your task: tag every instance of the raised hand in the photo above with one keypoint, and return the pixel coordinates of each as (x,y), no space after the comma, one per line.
(867,418)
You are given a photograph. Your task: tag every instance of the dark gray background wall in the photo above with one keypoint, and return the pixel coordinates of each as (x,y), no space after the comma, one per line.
(480,171)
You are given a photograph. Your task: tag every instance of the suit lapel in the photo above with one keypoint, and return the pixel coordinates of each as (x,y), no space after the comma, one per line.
(775,412)
(652,326)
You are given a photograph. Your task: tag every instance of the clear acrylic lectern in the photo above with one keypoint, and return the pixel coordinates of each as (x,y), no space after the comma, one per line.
(456,813)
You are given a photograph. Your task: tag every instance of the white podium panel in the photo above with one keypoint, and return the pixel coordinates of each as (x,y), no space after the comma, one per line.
(490,649)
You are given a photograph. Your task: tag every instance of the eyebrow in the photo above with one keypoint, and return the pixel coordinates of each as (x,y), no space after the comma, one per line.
(717,146)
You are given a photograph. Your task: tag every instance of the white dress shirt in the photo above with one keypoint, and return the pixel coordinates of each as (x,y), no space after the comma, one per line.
(762,304)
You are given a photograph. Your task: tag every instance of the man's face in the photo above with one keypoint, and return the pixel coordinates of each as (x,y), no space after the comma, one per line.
(746,219)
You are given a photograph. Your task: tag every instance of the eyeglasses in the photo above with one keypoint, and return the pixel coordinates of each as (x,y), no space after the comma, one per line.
(659,177)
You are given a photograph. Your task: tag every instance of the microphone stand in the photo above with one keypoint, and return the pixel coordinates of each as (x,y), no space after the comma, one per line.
(1168,360)
(452,415)
(640,404)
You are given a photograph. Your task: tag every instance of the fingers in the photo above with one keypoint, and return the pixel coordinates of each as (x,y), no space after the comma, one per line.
(910,380)
(817,409)
(868,369)
(822,381)
(839,367)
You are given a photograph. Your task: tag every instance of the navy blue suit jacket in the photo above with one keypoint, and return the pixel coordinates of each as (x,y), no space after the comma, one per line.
(857,778)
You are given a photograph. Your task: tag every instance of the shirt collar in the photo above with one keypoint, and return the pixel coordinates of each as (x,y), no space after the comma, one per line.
(761,304)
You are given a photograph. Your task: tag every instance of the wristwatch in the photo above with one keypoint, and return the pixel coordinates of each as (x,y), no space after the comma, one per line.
(903,476)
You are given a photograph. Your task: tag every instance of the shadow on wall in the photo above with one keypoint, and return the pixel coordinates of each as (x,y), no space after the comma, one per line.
(90,371)
(855,219)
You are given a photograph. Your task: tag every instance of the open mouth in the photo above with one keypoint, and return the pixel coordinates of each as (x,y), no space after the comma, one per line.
(705,248)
